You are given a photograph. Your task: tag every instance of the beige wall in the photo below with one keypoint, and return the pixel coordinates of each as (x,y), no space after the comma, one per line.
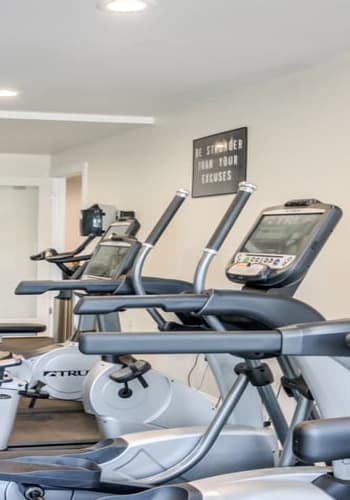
(12,165)
(298,135)
(299,129)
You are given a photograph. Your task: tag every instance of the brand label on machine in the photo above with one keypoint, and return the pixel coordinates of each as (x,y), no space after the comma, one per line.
(65,373)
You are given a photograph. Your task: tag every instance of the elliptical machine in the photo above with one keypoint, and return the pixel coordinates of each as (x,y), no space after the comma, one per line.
(268,306)
(273,258)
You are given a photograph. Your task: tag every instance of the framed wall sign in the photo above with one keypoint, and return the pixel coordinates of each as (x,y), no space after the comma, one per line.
(219,163)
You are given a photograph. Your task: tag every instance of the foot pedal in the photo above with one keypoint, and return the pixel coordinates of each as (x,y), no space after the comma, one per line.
(34,393)
(134,370)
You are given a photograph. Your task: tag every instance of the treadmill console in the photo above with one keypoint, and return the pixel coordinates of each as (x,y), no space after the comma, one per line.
(119,228)
(283,244)
(112,258)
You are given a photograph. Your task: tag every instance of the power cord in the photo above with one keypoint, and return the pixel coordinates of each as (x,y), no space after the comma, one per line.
(190,373)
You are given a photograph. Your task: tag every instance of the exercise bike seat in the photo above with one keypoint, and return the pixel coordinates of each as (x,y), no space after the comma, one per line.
(26,329)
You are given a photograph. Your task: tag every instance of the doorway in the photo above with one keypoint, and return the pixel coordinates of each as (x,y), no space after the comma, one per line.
(25,207)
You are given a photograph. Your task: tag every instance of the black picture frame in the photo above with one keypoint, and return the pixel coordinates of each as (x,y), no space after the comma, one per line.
(219,163)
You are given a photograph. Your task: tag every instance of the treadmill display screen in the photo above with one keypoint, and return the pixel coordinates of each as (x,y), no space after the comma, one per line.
(282,234)
(106,262)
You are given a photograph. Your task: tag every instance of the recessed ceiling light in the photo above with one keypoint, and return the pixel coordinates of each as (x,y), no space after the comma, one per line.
(8,93)
(124,6)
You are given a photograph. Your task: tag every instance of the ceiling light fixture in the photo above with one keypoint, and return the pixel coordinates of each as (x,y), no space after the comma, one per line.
(123,6)
(8,93)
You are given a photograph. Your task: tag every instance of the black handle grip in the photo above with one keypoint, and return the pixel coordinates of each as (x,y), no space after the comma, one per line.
(51,255)
(166,218)
(104,305)
(231,215)
(89,286)
(322,440)
(68,258)
(49,252)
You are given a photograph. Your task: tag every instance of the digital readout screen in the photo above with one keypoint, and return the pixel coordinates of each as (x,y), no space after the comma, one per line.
(284,234)
(107,261)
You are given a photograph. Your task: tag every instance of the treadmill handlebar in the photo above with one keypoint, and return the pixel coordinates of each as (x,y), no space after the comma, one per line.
(245,190)
(169,303)
(179,343)
(166,218)
(89,286)
(325,338)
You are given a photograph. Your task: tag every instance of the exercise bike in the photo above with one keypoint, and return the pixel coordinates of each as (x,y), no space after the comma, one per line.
(56,371)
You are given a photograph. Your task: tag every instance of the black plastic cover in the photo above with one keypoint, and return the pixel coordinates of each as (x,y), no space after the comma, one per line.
(322,440)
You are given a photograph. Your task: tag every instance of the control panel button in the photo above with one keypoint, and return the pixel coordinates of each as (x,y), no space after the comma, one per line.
(247,270)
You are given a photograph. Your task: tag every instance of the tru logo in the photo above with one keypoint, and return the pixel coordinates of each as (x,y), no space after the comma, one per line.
(65,373)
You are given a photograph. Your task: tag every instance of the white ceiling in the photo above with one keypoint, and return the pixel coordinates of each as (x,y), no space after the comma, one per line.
(66,56)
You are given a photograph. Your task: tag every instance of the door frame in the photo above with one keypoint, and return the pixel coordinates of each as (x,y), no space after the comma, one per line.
(44,186)
(59,177)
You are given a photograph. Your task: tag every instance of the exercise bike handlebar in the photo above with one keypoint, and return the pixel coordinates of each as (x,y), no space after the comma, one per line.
(166,218)
(51,255)
(325,338)
(66,258)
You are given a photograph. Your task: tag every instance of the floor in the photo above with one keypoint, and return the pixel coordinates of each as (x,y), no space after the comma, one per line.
(50,421)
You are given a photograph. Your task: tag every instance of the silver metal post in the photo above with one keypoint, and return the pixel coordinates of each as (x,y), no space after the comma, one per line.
(212,359)
(301,413)
(272,406)
(138,285)
(207,440)
(202,270)
(108,322)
